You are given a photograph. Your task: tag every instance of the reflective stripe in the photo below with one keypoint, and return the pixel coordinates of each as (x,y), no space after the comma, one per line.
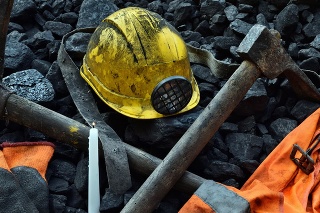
(221,199)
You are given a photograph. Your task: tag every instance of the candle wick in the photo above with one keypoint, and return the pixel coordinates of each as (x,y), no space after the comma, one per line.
(93,124)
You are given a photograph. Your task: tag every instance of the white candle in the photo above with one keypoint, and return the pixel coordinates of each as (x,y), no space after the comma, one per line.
(93,186)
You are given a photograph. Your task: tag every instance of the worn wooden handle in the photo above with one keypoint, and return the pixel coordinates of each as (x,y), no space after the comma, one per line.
(193,141)
(67,130)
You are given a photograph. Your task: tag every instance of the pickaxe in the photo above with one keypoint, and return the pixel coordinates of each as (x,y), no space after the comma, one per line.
(263,55)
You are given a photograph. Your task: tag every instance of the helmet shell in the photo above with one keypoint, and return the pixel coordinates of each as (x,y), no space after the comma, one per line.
(130,52)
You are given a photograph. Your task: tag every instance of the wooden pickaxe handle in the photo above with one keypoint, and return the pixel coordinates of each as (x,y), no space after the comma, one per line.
(193,141)
(69,131)
(263,56)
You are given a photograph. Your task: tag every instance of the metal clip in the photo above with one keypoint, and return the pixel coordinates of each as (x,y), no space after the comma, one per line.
(305,162)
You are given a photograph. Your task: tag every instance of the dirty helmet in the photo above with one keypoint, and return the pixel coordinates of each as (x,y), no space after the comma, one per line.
(138,64)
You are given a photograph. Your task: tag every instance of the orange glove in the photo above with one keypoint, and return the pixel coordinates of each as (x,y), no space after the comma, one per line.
(28,163)
(278,185)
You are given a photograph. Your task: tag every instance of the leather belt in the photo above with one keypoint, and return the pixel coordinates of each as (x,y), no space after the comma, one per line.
(115,155)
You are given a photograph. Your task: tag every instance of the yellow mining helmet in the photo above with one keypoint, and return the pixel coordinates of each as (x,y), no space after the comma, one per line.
(138,64)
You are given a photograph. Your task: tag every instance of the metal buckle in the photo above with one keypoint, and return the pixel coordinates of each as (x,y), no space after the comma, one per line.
(305,162)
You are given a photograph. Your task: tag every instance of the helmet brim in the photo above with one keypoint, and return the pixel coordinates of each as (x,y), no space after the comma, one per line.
(136,108)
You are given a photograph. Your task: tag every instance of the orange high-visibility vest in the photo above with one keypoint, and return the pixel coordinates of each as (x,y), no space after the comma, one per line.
(277,185)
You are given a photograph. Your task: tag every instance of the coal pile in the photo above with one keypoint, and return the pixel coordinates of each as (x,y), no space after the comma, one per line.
(268,112)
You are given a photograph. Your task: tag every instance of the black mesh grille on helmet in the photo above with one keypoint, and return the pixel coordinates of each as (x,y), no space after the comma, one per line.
(171,95)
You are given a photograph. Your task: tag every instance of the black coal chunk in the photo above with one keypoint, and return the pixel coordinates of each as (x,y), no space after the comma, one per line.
(18,56)
(31,85)
(281,127)
(244,146)
(93,12)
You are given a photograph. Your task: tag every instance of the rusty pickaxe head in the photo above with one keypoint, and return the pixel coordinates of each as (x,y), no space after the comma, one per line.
(263,48)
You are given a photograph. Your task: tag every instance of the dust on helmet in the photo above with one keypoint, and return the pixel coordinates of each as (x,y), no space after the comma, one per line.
(138,64)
